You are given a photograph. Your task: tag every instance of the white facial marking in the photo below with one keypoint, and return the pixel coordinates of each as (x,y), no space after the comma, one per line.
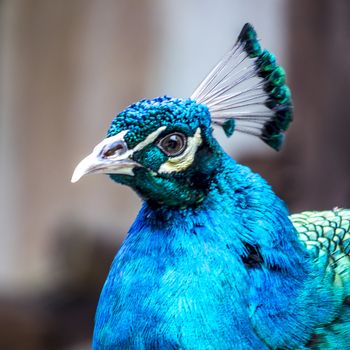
(184,160)
(149,139)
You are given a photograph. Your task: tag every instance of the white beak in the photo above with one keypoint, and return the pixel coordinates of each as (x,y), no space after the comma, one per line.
(111,156)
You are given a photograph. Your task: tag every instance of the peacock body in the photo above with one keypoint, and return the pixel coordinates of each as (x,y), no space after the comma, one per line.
(213,261)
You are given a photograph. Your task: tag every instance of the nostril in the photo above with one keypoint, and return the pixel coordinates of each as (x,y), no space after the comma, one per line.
(114,149)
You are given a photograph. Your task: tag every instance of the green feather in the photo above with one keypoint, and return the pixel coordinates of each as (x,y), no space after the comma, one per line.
(266,63)
(253,48)
(281,94)
(284,117)
(275,141)
(229,127)
(277,77)
(247,33)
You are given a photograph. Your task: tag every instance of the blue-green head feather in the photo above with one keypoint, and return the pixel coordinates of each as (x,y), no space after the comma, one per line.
(178,156)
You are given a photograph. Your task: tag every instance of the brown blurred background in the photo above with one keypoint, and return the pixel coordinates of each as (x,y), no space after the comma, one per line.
(67,67)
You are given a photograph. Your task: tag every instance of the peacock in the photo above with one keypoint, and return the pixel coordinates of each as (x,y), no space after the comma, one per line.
(213,259)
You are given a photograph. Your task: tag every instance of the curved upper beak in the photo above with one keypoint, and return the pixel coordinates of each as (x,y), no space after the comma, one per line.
(111,156)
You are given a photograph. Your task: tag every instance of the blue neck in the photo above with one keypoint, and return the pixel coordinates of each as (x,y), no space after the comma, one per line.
(185,276)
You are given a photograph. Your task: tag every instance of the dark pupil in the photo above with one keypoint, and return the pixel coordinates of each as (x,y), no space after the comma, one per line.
(172,144)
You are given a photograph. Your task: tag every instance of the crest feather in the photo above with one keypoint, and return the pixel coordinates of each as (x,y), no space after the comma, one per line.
(246,92)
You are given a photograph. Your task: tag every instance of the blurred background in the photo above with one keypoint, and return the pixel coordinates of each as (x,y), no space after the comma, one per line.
(67,67)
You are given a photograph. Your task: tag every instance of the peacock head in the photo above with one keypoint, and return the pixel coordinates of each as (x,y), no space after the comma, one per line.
(160,148)
(164,148)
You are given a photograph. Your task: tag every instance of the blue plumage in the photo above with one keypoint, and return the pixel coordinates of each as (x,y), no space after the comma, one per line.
(213,261)
(179,282)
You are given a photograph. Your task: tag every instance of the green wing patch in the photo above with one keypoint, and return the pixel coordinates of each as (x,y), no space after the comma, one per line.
(325,231)
(327,237)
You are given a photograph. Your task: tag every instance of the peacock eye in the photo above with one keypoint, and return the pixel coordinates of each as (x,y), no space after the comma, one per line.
(173,144)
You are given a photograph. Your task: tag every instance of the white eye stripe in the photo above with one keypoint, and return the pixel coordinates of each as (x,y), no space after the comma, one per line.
(184,160)
(120,137)
(149,139)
